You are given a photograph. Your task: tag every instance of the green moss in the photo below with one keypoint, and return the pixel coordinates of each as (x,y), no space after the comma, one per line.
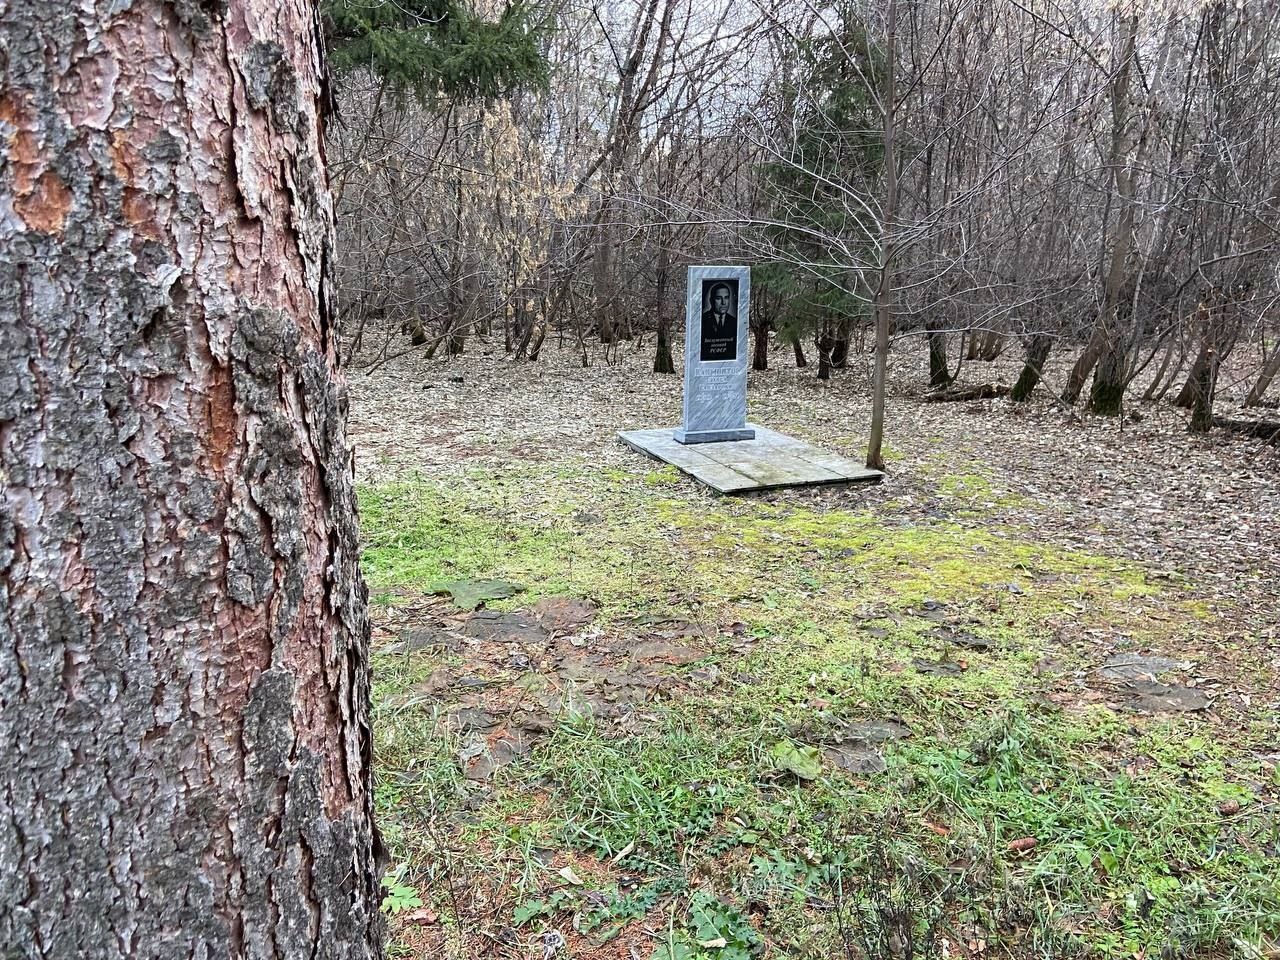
(1130,849)
(667,476)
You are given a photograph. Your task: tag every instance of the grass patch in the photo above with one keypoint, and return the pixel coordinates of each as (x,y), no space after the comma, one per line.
(1075,829)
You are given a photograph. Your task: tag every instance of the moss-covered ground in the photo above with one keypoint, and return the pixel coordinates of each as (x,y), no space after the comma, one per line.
(1026,812)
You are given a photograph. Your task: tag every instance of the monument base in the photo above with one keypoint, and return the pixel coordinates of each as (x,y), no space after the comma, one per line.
(681,435)
(768,461)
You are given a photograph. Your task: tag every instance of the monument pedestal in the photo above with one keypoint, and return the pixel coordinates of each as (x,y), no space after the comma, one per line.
(769,461)
(682,435)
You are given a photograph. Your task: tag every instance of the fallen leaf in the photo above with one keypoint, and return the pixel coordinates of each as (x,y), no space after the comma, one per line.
(623,852)
(1022,844)
(569,876)
(804,762)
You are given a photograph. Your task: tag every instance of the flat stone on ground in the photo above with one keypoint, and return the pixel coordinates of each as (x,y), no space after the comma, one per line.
(768,462)
(469,594)
(564,613)
(515,627)
(421,638)
(1136,666)
(1153,697)
(855,758)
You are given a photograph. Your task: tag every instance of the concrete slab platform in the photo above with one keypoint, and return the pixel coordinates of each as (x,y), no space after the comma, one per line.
(770,461)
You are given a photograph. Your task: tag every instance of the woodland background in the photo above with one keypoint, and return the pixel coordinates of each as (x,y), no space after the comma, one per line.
(1092,180)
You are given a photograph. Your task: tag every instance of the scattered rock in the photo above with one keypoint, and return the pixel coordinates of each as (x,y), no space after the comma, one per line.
(1153,697)
(710,675)
(516,627)
(564,613)
(586,669)
(470,594)
(469,719)
(422,638)
(961,638)
(938,668)
(483,754)
(1136,666)
(855,758)
(671,628)
(932,610)
(665,651)
(534,723)
(439,680)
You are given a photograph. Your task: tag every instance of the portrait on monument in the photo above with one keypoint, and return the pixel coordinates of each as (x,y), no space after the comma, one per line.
(719,320)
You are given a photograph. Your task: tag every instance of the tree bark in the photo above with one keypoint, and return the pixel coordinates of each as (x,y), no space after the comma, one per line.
(1109,379)
(1032,368)
(825,344)
(1265,376)
(884,286)
(798,347)
(1083,366)
(939,368)
(184,687)
(1202,409)
(663,361)
(992,346)
(1189,395)
(1107,395)
(840,346)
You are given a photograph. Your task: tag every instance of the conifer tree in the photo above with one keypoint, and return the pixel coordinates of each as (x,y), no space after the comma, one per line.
(436,48)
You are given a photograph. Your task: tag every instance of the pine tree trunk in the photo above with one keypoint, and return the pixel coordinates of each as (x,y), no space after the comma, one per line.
(606,294)
(992,346)
(824,354)
(184,688)
(1106,397)
(840,351)
(884,285)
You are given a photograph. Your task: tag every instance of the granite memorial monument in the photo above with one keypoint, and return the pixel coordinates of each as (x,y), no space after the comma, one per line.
(715,356)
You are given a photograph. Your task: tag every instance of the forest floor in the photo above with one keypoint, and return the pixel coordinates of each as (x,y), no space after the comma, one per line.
(1021,698)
